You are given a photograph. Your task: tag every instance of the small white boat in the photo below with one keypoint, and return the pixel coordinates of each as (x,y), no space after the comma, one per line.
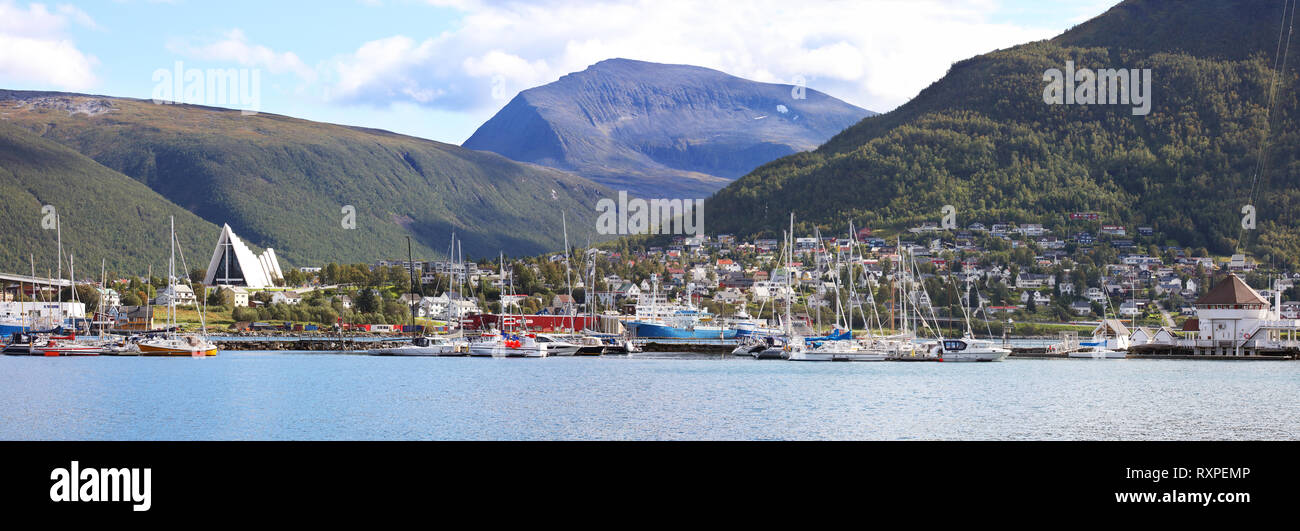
(1099,354)
(557,345)
(968,349)
(590,346)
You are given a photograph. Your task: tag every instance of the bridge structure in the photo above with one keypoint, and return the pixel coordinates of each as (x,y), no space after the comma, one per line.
(12,283)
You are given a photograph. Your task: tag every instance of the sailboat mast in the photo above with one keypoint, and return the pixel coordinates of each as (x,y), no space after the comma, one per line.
(410,266)
(72,278)
(171,277)
(58,231)
(568,279)
(103,286)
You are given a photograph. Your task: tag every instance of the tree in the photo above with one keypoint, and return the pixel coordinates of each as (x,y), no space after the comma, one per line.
(244,314)
(217,296)
(367,301)
(295,277)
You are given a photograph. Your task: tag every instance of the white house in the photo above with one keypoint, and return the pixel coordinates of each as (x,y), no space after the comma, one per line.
(1129,309)
(109,298)
(183,295)
(1141,336)
(286,297)
(240,296)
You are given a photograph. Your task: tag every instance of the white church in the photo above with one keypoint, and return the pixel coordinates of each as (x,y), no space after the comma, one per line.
(234,264)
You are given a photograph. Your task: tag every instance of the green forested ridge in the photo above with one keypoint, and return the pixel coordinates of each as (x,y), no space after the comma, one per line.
(282,182)
(982,139)
(105,215)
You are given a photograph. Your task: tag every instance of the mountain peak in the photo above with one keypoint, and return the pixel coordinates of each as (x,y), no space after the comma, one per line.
(659,129)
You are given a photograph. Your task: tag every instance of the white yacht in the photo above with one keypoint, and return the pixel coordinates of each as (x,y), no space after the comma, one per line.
(557,345)
(425,346)
(501,345)
(970,349)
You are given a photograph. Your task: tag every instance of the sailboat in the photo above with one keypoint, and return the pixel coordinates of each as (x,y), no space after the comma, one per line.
(420,345)
(839,344)
(1107,345)
(502,344)
(173,343)
(968,348)
(791,344)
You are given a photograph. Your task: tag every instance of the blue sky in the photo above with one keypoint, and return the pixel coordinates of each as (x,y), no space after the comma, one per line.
(439,68)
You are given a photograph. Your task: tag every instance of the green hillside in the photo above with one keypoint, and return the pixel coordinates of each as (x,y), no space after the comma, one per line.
(106,215)
(982,139)
(282,182)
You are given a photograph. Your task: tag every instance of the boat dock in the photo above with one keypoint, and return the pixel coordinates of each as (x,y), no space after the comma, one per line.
(703,346)
(306,343)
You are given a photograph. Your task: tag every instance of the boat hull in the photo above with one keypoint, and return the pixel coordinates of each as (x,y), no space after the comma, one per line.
(500,351)
(1105,355)
(974,356)
(197,352)
(771,354)
(838,356)
(443,350)
(659,331)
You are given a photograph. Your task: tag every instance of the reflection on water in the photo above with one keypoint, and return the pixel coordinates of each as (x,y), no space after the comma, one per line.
(309,396)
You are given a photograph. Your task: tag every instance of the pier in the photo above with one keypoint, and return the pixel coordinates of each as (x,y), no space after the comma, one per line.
(702,346)
(306,343)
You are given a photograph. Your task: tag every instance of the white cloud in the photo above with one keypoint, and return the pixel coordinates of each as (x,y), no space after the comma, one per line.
(873,54)
(234,47)
(38,51)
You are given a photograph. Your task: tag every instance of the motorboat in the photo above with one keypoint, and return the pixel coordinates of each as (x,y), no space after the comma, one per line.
(20,344)
(557,345)
(591,346)
(425,346)
(500,345)
(969,349)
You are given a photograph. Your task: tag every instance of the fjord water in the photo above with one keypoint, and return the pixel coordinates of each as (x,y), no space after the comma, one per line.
(314,396)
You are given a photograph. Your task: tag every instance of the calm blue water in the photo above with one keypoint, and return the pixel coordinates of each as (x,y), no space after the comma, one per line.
(310,396)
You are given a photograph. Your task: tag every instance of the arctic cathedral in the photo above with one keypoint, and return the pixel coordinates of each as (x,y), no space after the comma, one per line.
(234,264)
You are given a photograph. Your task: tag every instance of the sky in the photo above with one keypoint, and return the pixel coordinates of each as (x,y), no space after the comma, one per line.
(438,69)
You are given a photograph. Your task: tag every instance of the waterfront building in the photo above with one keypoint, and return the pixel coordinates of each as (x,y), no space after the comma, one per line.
(1232,319)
